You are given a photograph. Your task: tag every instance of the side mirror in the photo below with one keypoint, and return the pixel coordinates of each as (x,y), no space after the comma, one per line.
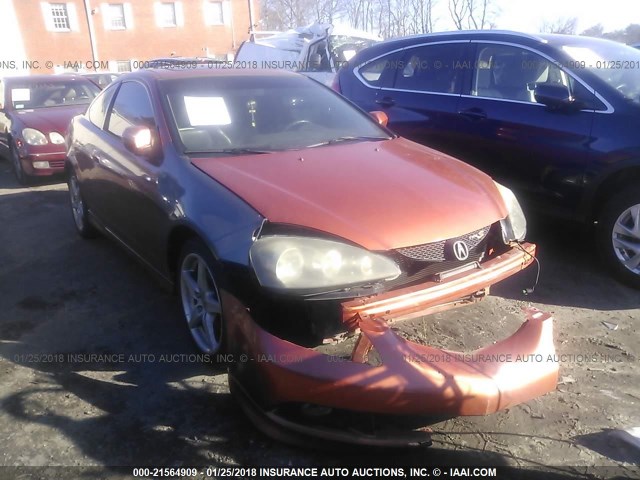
(553,96)
(139,140)
(380,117)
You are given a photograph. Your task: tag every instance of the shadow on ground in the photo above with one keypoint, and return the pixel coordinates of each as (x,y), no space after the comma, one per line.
(567,257)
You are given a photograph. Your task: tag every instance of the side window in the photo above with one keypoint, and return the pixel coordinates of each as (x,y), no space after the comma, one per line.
(512,73)
(318,58)
(432,68)
(97,112)
(586,98)
(1,94)
(132,107)
(381,72)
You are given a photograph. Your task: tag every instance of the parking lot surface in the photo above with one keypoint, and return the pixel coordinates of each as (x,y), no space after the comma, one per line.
(97,368)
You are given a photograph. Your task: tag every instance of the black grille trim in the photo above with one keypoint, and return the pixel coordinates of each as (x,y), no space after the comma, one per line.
(415,271)
(435,252)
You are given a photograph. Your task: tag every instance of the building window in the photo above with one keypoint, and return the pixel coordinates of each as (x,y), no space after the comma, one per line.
(215,13)
(60,16)
(167,14)
(116,14)
(124,66)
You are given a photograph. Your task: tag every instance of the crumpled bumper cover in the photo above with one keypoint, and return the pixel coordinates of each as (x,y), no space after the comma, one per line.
(411,379)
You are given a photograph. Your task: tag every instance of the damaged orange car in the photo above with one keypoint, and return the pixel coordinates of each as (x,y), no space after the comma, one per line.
(289,220)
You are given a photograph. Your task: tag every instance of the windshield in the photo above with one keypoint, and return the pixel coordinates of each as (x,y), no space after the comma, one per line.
(245,114)
(52,93)
(616,64)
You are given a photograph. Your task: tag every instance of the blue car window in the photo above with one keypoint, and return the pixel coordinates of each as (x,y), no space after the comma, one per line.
(432,68)
(512,73)
(97,111)
(132,107)
(381,72)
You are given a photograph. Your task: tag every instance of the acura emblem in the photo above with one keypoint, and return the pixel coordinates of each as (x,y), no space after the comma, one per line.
(461,250)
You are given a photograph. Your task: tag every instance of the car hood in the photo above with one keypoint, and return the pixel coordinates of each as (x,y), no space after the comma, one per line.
(50,119)
(380,195)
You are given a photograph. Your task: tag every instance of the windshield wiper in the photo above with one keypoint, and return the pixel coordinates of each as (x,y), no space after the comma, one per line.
(349,138)
(230,151)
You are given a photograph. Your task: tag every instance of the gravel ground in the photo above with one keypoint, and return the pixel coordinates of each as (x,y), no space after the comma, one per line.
(63,299)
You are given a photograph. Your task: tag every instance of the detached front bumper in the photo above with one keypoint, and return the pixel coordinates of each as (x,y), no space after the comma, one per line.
(411,379)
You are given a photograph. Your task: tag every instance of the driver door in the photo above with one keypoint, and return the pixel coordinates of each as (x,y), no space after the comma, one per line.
(131,197)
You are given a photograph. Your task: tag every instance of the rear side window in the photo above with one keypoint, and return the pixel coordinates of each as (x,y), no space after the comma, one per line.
(432,68)
(97,112)
(132,107)
(381,72)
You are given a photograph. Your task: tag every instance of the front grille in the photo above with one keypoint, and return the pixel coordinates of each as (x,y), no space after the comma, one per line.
(56,163)
(436,251)
(423,262)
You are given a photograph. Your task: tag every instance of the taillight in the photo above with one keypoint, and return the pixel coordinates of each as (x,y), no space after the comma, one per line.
(335,85)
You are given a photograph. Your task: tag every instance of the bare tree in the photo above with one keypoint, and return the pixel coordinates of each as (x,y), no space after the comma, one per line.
(421,13)
(561,25)
(284,14)
(594,31)
(471,14)
(390,18)
(458,12)
(477,13)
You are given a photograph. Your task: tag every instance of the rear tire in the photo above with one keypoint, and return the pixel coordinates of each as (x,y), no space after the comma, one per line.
(619,236)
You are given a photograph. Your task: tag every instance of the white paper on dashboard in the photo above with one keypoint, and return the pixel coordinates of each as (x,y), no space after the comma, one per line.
(207,111)
(20,95)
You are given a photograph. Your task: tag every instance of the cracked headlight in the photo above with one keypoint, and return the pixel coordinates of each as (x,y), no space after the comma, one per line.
(34,137)
(304,263)
(514,227)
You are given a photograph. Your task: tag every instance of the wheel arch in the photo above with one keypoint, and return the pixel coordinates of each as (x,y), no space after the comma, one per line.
(612,184)
(178,236)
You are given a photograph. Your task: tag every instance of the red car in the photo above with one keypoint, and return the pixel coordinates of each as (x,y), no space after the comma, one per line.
(288,219)
(35,112)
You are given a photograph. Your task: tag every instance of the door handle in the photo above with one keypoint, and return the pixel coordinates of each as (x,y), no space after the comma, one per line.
(474,114)
(386,102)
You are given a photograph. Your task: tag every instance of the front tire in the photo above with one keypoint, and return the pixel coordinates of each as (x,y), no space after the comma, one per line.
(79,209)
(21,176)
(619,236)
(200,297)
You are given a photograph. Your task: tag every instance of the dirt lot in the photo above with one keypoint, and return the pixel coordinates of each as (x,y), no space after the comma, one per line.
(62,299)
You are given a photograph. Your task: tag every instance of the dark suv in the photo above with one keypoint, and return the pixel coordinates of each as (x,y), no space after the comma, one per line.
(554,117)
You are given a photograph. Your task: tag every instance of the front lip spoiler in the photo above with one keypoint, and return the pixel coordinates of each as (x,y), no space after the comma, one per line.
(412,379)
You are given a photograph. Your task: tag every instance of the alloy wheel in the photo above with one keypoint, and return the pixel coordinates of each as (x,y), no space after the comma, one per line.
(626,238)
(201,303)
(77,205)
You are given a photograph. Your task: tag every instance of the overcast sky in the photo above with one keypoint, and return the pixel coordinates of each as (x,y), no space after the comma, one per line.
(529,15)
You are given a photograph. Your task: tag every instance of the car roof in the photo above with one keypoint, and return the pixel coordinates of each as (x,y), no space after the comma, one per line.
(527,39)
(43,78)
(212,71)
(457,34)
